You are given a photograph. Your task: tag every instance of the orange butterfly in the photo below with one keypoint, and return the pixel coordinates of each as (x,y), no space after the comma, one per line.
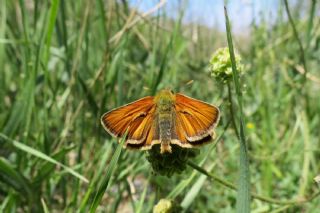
(164,119)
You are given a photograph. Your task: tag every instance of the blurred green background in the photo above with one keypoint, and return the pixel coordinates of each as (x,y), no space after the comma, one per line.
(64,63)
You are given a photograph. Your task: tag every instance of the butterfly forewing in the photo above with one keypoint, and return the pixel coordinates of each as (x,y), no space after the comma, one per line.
(195,120)
(136,117)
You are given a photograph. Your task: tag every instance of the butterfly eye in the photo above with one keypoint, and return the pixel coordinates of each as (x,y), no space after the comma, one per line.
(172,91)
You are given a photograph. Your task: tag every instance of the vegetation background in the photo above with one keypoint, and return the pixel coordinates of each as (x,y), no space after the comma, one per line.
(64,63)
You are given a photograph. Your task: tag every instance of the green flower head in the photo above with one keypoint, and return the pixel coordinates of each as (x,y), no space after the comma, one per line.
(170,163)
(220,65)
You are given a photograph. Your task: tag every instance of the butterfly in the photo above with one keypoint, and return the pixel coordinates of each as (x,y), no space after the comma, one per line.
(164,119)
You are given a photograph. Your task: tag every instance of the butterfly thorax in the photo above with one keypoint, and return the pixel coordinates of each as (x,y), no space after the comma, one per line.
(165,102)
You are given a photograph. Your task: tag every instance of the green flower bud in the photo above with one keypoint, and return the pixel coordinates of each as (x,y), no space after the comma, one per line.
(166,206)
(220,65)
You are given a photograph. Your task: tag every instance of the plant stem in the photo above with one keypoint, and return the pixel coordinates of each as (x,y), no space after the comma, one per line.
(296,35)
(254,195)
(302,56)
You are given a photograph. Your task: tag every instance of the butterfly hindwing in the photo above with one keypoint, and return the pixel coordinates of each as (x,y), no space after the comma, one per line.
(152,136)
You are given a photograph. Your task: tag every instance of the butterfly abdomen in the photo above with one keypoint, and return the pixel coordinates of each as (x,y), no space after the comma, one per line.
(165,131)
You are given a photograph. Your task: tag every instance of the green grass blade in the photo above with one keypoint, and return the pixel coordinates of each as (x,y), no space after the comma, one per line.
(310,22)
(13,178)
(307,156)
(243,195)
(47,168)
(4,203)
(181,186)
(195,189)
(44,206)
(41,155)
(51,22)
(106,181)
(142,198)
(3,18)
(106,149)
